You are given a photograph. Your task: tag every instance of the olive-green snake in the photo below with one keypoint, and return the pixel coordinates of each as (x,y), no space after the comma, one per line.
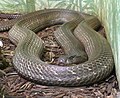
(76,31)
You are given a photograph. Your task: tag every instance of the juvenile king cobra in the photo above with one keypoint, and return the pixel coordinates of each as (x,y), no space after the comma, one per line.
(96,53)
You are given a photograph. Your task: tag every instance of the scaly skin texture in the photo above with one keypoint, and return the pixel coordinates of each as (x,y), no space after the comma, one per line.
(9,16)
(27,60)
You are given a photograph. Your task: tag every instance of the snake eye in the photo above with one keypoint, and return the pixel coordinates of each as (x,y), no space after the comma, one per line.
(61,61)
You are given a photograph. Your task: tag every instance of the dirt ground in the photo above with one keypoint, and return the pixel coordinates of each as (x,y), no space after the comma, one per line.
(13,85)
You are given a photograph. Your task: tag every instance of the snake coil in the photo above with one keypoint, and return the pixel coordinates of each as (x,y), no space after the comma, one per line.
(27,60)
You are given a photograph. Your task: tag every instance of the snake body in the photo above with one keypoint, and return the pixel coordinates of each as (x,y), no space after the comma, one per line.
(27,60)
(9,16)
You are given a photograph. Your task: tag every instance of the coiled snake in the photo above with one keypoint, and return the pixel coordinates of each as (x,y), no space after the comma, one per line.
(96,53)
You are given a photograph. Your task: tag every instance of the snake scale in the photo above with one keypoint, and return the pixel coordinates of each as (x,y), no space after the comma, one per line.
(76,35)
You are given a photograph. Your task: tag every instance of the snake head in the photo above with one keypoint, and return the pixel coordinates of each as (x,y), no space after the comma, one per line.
(69,60)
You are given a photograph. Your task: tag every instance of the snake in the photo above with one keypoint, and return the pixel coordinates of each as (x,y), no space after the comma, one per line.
(78,37)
